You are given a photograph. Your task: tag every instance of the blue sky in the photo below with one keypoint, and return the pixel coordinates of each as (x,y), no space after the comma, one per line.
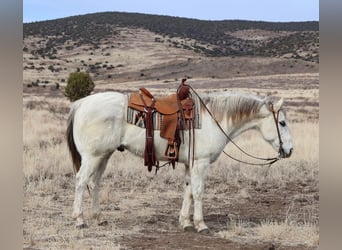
(261,10)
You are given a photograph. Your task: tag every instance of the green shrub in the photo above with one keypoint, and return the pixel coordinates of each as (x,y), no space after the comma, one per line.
(79,85)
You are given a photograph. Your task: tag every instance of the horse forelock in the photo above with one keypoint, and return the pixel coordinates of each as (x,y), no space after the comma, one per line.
(236,107)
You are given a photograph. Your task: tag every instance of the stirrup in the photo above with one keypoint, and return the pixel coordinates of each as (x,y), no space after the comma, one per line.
(171,152)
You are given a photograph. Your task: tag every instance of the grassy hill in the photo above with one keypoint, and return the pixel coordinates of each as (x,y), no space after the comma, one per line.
(121,47)
(213,38)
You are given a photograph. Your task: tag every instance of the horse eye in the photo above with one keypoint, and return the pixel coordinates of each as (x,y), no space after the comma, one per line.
(282,123)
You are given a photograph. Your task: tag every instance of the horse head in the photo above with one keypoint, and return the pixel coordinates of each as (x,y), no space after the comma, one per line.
(274,126)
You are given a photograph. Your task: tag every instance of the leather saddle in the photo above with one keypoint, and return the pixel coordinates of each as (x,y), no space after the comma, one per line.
(177,112)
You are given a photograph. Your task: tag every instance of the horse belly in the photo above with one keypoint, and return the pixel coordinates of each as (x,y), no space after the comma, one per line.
(134,141)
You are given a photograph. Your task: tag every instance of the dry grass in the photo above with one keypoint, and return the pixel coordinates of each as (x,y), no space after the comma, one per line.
(288,233)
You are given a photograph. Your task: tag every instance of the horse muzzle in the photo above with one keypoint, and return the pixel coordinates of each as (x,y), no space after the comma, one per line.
(284,154)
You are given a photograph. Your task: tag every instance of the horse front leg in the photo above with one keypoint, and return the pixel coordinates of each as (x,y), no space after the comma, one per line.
(198,174)
(184,217)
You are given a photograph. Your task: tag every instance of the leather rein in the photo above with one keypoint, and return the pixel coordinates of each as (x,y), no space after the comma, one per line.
(267,161)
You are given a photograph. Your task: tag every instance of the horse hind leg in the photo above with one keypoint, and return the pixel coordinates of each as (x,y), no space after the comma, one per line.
(95,180)
(90,166)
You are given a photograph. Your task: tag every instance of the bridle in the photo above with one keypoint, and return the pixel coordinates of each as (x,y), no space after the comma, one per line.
(276,121)
(267,161)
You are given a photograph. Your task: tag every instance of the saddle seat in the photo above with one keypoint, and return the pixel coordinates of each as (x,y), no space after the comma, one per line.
(166,105)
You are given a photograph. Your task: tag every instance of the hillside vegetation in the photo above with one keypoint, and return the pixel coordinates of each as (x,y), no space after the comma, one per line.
(125,47)
(213,38)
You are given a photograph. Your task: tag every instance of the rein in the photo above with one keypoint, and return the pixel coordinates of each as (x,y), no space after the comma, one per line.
(268,161)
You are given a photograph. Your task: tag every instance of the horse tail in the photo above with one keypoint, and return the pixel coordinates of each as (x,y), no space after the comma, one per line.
(75,155)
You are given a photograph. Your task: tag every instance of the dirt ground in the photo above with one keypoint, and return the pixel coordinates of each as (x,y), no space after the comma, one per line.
(161,232)
(146,216)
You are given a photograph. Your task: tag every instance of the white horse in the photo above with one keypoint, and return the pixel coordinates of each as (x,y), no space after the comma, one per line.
(97,127)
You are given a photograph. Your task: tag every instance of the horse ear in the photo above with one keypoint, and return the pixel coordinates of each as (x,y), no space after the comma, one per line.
(278,105)
(268,103)
(272,105)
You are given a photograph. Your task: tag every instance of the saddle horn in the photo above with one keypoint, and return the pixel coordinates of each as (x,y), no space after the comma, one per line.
(183,90)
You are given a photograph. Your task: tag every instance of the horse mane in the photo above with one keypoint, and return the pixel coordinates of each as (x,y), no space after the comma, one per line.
(233,106)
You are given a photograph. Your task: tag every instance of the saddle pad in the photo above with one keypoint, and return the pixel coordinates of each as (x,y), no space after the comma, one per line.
(135,117)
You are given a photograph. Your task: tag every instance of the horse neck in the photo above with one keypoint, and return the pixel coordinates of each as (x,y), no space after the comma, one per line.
(245,125)
(236,113)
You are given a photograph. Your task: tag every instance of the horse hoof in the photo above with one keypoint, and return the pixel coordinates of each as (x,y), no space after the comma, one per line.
(189,228)
(103,223)
(81,226)
(204,231)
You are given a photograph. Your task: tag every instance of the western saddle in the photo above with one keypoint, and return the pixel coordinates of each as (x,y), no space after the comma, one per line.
(177,112)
